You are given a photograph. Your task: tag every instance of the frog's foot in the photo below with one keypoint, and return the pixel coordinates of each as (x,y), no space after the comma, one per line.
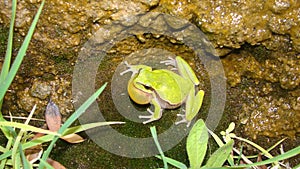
(130,69)
(184,120)
(149,117)
(171,61)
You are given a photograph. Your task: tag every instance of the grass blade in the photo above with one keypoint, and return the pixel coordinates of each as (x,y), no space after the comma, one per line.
(4,72)
(154,135)
(47,165)
(32,143)
(286,155)
(297,167)
(19,58)
(173,162)
(27,127)
(7,59)
(25,162)
(84,127)
(17,145)
(264,152)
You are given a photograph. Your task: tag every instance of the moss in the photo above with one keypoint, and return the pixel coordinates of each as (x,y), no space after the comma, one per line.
(63,64)
(3,40)
(90,155)
(260,53)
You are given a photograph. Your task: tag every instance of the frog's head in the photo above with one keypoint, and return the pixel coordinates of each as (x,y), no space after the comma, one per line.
(138,92)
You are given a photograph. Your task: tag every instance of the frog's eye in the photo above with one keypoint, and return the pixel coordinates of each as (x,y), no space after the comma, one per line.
(147,87)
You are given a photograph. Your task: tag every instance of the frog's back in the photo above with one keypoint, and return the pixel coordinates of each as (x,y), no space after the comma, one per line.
(168,85)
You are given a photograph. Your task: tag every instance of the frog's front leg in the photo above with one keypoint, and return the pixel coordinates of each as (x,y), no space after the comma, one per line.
(134,68)
(153,115)
(192,107)
(183,68)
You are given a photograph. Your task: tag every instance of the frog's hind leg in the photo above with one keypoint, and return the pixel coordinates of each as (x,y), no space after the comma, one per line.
(153,115)
(183,68)
(192,106)
(186,71)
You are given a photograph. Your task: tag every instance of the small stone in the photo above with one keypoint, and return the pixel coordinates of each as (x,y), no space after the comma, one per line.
(40,90)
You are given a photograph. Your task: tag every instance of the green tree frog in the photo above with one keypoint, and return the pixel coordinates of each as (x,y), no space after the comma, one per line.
(165,89)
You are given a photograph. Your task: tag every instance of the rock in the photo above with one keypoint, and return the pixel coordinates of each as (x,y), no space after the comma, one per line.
(226,27)
(147,19)
(174,22)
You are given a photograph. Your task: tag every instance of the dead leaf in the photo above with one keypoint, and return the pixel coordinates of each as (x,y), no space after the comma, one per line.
(260,159)
(53,116)
(55,164)
(72,138)
(34,153)
(37,135)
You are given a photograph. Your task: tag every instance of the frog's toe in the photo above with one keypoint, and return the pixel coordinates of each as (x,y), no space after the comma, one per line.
(149,117)
(125,71)
(148,121)
(130,69)
(171,61)
(184,120)
(150,111)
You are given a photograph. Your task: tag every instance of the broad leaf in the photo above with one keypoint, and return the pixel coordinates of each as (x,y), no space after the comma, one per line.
(197,144)
(218,158)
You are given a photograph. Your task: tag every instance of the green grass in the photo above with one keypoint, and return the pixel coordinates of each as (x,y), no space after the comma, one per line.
(196,148)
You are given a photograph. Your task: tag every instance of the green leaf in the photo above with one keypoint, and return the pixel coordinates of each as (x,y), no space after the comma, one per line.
(220,143)
(218,158)
(196,145)
(2,149)
(84,127)
(27,127)
(230,127)
(173,162)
